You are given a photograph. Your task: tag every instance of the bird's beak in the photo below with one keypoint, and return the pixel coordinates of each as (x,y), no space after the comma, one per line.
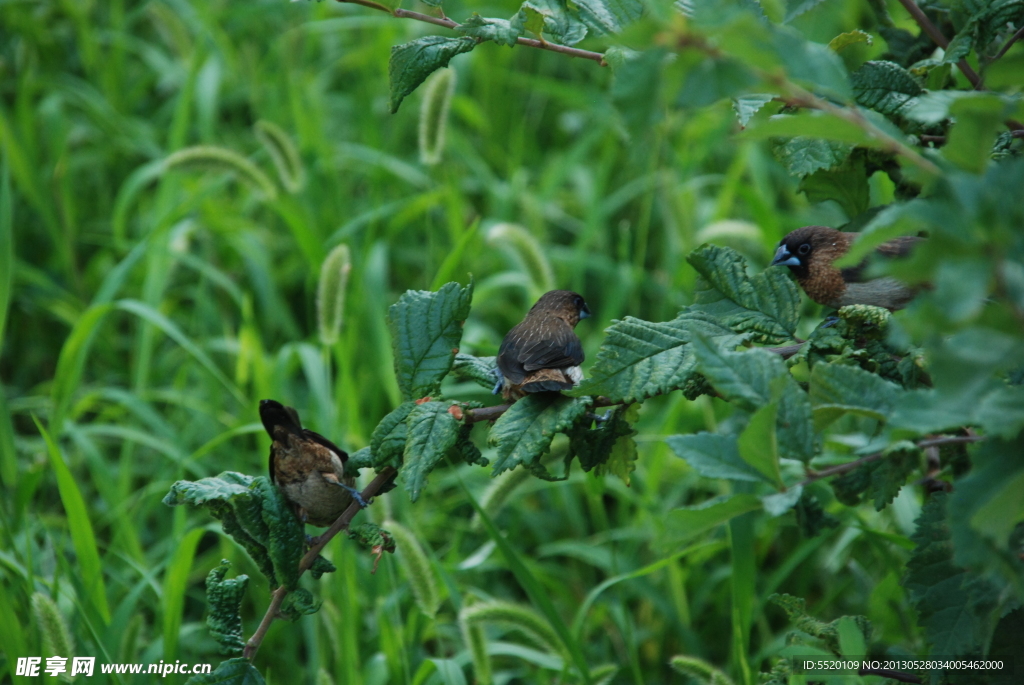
(784,258)
(584,312)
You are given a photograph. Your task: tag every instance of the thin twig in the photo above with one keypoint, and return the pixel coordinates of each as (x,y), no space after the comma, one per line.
(1006,46)
(851,465)
(253,645)
(449,24)
(936,35)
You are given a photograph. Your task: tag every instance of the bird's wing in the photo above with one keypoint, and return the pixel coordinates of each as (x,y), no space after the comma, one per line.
(270,463)
(317,438)
(895,248)
(532,345)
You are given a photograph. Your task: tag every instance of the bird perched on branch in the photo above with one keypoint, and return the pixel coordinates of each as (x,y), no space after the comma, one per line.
(809,252)
(542,353)
(307,467)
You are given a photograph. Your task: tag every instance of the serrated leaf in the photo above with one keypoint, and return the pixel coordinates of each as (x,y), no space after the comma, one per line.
(714,456)
(593,446)
(890,474)
(224,598)
(849,38)
(549,17)
(802,155)
(431,432)
(253,512)
(608,16)
(846,184)
(765,305)
(752,379)
(796,609)
(500,31)
(524,433)
(954,607)
(837,389)
(388,440)
(480,369)
(426,328)
(640,359)
(746,106)
(411,63)
(298,603)
(885,87)
(687,523)
(758,445)
(237,671)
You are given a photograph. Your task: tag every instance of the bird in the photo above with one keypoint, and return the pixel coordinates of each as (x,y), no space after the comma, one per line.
(810,252)
(542,353)
(307,467)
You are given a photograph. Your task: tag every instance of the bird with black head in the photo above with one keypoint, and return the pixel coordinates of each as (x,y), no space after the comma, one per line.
(307,467)
(542,353)
(810,253)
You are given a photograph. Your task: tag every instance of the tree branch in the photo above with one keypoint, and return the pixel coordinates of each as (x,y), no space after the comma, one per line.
(852,465)
(449,24)
(253,645)
(933,32)
(1009,43)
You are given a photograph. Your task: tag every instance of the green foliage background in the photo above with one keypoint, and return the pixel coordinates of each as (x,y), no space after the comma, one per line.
(174,176)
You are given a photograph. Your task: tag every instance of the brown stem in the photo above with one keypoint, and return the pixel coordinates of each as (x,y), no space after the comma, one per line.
(449,24)
(491,413)
(933,32)
(253,645)
(1006,46)
(851,465)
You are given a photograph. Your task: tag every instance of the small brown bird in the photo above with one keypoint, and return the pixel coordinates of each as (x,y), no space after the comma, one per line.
(809,253)
(309,468)
(542,352)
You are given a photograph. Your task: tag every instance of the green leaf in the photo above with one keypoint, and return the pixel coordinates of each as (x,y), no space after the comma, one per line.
(256,514)
(885,87)
(500,31)
(758,445)
(746,106)
(622,460)
(432,431)
(524,432)
(411,63)
(796,609)
(816,124)
(849,38)
(766,305)
(417,568)
(426,328)
(687,523)
(594,446)
(388,440)
(640,359)
(298,603)
(889,475)
(837,389)
(794,8)
(752,379)
(636,86)
(778,503)
(6,244)
(608,16)
(480,369)
(237,671)
(713,80)
(956,608)
(1006,642)
(802,155)
(1002,412)
(847,184)
(82,536)
(224,599)
(549,17)
(714,456)
(969,144)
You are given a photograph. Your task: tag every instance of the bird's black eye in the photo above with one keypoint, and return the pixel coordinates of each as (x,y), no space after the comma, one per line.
(578,302)
(804,249)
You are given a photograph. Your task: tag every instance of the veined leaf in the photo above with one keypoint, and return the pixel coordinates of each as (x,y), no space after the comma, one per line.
(432,431)
(224,597)
(803,155)
(714,456)
(765,305)
(479,369)
(640,359)
(500,31)
(837,389)
(387,444)
(846,184)
(608,16)
(524,432)
(411,63)
(426,328)
(758,445)
(885,87)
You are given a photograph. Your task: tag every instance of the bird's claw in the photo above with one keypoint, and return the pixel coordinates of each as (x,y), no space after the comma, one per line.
(499,380)
(356,495)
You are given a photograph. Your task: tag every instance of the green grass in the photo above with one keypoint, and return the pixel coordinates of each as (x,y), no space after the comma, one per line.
(164,257)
